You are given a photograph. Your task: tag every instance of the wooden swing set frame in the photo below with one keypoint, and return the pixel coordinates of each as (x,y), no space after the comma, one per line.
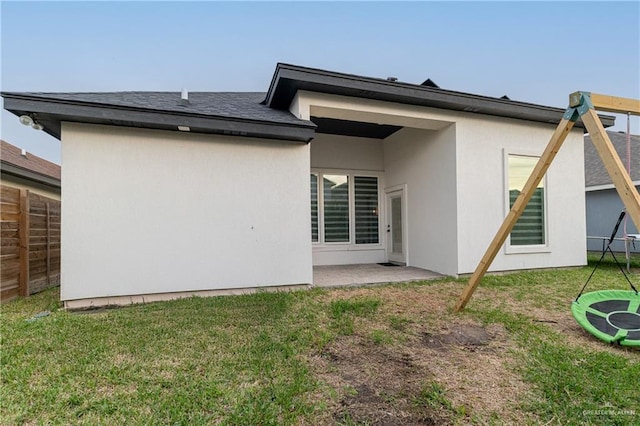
(582,105)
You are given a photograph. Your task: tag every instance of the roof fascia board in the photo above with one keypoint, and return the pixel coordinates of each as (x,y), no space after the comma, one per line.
(351,85)
(58,110)
(21,172)
(274,82)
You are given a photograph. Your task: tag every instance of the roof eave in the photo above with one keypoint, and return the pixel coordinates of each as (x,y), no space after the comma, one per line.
(21,172)
(288,79)
(52,112)
(604,186)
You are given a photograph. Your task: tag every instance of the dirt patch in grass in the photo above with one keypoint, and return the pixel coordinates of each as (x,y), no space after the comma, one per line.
(468,336)
(379,385)
(471,362)
(439,368)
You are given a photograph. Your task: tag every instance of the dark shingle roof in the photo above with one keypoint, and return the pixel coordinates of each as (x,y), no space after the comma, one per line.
(595,173)
(257,115)
(241,105)
(223,113)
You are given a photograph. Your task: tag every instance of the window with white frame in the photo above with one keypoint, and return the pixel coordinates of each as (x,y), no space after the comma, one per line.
(530,230)
(344,208)
(335,193)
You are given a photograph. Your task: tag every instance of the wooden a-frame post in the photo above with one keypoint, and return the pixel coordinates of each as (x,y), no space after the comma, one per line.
(583,105)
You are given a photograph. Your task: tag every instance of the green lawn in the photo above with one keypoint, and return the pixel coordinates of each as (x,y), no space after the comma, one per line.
(321,357)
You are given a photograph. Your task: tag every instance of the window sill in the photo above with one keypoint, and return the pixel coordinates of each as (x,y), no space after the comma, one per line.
(527,249)
(346,247)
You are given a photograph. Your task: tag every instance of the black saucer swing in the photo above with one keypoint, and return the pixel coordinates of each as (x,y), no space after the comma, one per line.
(610,315)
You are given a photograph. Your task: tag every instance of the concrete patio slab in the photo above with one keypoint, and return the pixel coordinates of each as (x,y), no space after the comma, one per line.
(344,275)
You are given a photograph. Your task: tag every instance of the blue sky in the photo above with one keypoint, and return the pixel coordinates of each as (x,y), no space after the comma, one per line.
(535,52)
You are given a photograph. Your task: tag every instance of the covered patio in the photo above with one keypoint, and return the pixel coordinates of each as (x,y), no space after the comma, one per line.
(345,275)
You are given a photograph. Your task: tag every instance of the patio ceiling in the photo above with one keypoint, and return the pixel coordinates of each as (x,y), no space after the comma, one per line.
(334,126)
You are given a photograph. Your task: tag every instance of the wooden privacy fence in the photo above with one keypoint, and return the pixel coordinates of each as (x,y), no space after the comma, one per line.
(30,247)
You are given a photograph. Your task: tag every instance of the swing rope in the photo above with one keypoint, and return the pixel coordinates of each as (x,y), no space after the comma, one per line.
(623,215)
(604,252)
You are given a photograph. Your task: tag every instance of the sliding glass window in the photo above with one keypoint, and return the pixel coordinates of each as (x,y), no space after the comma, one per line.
(345,208)
(366,209)
(336,208)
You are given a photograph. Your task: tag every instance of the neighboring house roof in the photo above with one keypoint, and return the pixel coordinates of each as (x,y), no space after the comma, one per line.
(595,173)
(28,166)
(263,115)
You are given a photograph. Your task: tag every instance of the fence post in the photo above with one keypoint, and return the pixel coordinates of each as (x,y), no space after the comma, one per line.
(24,243)
(48,246)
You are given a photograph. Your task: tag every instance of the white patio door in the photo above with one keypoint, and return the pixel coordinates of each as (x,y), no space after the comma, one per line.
(396,251)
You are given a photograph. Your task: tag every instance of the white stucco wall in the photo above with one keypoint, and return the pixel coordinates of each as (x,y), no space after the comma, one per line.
(425,161)
(148,211)
(347,153)
(482,205)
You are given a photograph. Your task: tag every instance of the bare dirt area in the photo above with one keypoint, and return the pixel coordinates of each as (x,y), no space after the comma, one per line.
(471,362)
(380,385)
(438,368)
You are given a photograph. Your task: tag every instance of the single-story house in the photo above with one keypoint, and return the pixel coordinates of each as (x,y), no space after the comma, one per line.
(602,200)
(175,194)
(24,170)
